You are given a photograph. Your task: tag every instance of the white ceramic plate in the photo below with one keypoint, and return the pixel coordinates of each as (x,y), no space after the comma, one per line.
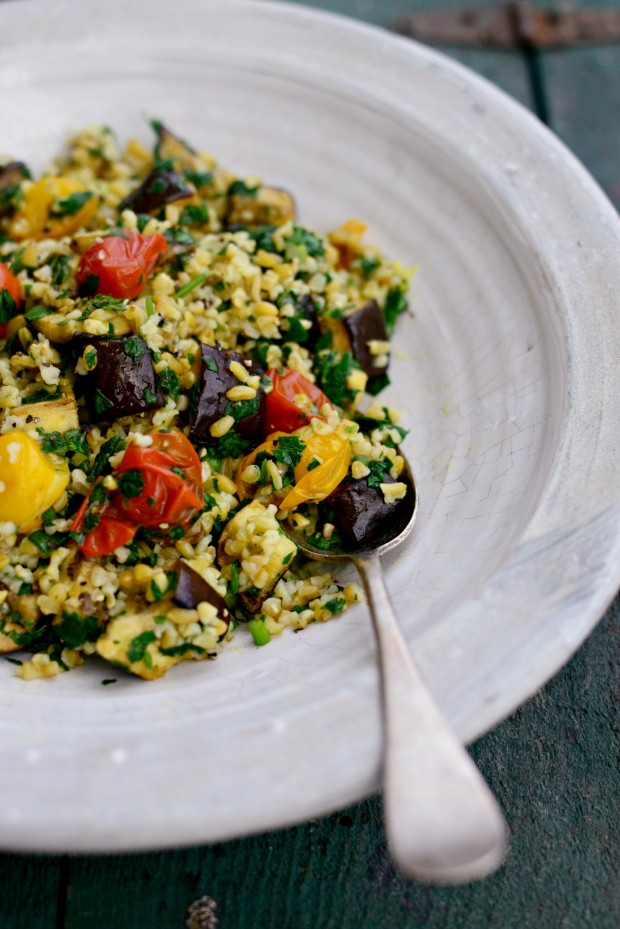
(506,371)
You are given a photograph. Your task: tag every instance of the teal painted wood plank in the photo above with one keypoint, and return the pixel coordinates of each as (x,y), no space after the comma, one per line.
(583,88)
(553,765)
(507,70)
(31,891)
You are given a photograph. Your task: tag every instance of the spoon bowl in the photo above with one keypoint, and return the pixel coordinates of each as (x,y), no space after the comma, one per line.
(443,825)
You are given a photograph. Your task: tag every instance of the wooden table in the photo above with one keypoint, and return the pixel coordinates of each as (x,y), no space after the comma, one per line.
(553,765)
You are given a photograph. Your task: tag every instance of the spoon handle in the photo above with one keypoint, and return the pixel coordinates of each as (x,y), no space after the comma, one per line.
(443,825)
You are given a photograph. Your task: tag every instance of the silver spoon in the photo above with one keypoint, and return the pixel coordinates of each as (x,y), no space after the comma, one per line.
(442,823)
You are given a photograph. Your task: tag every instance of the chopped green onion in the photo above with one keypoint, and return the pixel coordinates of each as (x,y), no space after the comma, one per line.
(150,306)
(192,285)
(259,632)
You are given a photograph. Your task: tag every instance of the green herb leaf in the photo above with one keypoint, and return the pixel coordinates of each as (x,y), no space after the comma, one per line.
(110,447)
(396,304)
(75,629)
(101,402)
(169,383)
(38,312)
(64,443)
(306,239)
(42,541)
(138,645)
(239,188)
(131,483)
(134,348)
(69,206)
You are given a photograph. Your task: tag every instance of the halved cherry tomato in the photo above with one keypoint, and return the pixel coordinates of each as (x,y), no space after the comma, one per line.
(168,481)
(331,451)
(282,413)
(334,454)
(10,297)
(267,446)
(122,264)
(111,531)
(109,534)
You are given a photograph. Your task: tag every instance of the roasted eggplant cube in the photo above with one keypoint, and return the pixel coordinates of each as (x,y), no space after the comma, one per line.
(192,589)
(368,337)
(123,380)
(363,518)
(170,147)
(11,176)
(160,186)
(13,173)
(267,206)
(212,404)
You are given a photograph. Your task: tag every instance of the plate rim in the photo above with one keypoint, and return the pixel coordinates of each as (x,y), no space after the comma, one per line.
(607,585)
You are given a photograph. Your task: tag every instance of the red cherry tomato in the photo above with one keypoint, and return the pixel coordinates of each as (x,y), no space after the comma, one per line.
(111,531)
(282,413)
(168,481)
(10,297)
(122,264)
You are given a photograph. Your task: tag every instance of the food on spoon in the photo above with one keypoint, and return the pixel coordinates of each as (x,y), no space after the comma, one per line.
(183,367)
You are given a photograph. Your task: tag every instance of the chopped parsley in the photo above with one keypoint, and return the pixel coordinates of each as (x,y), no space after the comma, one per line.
(239,409)
(69,206)
(65,443)
(194,214)
(336,605)
(42,396)
(263,236)
(8,307)
(289,450)
(138,646)
(131,483)
(239,188)
(74,629)
(134,347)
(304,243)
(169,383)
(332,371)
(395,304)
(42,541)
(59,265)
(110,447)
(38,312)
(101,402)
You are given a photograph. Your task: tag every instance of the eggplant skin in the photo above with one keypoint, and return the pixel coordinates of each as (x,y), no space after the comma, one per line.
(363,326)
(123,381)
(161,186)
(192,589)
(363,518)
(266,206)
(212,403)
(13,173)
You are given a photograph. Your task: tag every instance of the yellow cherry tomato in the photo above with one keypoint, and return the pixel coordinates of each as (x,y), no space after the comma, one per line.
(30,481)
(334,454)
(267,446)
(52,208)
(332,451)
